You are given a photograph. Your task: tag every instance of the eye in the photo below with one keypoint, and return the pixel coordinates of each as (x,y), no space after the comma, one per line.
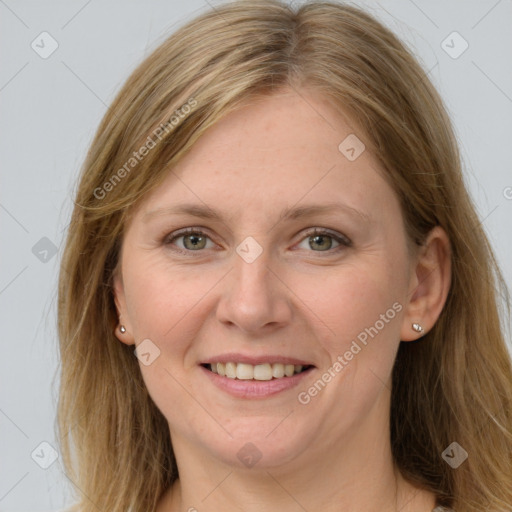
(321,240)
(192,239)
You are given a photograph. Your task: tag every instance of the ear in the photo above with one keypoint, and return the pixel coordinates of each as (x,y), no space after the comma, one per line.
(429,284)
(122,311)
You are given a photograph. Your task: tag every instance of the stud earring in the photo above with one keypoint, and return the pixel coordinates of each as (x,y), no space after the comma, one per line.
(122,329)
(418,328)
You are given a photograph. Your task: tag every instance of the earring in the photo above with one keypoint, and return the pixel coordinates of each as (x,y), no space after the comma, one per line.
(418,328)
(122,329)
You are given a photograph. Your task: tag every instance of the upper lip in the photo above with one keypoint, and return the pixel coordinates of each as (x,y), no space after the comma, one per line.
(254,360)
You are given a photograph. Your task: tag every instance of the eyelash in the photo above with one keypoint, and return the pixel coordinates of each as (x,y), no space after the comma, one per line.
(343,241)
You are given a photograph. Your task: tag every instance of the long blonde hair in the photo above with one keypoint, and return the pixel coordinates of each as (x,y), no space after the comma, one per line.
(455,385)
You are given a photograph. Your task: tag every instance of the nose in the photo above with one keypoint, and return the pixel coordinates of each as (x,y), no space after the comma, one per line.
(254,297)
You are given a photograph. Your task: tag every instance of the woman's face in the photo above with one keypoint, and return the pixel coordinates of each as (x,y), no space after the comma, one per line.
(255,289)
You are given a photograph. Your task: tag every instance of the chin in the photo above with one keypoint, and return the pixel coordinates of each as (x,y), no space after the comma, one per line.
(261,443)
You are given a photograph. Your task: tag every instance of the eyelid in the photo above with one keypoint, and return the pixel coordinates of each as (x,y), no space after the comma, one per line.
(171,237)
(339,237)
(343,240)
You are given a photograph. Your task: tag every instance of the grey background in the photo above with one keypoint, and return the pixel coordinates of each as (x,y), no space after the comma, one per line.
(50,110)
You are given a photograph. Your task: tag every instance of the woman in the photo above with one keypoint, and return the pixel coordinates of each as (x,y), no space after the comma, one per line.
(275,291)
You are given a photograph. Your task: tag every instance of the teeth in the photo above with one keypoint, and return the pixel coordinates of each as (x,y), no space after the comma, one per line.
(278,370)
(230,370)
(263,371)
(289,370)
(243,371)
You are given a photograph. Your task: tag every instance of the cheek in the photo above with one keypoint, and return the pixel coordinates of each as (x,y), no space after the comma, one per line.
(362,309)
(360,302)
(163,300)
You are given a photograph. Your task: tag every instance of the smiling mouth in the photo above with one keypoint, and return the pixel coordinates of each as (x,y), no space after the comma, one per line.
(264,371)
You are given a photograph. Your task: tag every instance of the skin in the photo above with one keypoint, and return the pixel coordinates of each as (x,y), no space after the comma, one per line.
(332,453)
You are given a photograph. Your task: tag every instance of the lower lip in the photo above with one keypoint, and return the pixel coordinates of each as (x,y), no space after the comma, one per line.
(255,388)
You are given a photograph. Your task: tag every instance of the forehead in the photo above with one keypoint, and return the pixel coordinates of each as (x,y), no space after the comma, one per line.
(274,152)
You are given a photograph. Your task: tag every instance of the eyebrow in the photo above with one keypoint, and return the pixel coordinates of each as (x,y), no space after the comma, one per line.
(293,213)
